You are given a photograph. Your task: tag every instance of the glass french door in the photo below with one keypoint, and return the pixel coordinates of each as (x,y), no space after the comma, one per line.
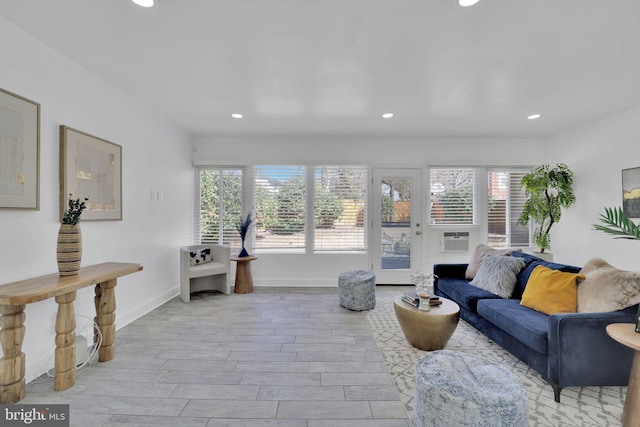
(396,225)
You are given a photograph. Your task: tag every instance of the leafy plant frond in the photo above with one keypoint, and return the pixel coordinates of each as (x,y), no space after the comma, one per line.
(618,224)
(74,210)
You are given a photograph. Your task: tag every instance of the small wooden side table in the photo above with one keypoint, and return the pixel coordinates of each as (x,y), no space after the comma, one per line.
(625,334)
(244,279)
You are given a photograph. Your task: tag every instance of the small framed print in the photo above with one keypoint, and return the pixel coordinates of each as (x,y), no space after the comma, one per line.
(631,192)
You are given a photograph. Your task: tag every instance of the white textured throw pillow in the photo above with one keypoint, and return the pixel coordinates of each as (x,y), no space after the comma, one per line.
(606,288)
(497,274)
(479,253)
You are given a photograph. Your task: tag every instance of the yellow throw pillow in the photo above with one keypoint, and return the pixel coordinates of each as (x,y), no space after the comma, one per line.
(551,291)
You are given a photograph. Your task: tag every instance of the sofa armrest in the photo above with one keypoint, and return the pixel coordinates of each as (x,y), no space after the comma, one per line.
(452,271)
(582,354)
(222,253)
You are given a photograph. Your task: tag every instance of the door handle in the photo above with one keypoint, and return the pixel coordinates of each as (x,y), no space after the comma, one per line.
(418,233)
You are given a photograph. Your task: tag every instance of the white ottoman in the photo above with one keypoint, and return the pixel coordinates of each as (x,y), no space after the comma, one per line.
(357,290)
(460,389)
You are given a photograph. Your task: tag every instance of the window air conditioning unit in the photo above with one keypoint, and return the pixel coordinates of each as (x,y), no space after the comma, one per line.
(455,241)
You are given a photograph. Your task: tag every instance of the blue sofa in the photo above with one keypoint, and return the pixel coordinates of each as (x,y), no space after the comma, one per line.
(568,350)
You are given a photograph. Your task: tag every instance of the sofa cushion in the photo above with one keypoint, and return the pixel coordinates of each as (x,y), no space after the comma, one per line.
(531,263)
(527,326)
(551,291)
(207,269)
(607,288)
(497,274)
(523,276)
(479,253)
(463,293)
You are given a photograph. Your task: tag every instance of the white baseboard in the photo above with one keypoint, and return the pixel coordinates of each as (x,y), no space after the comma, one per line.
(123,319)
(297,283)
(39,367)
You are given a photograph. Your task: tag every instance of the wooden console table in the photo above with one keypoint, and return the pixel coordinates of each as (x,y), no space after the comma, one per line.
(13,298)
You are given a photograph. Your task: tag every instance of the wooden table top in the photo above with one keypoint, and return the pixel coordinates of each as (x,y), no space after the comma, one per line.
(625,333)
(52,285)
(244,258)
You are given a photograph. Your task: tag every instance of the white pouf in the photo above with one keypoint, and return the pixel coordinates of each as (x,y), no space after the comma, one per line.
(461,389)
(357,290)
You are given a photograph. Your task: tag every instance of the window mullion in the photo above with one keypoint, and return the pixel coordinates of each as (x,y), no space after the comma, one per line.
(310,226)
(221,214)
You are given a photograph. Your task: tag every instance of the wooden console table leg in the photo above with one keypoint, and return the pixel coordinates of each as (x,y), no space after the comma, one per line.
(12,363)
(106,318)
(65,358)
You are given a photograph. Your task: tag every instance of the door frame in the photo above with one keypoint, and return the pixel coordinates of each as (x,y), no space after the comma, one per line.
(416,227)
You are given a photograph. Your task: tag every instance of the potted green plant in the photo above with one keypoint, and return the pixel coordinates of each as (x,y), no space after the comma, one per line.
(74,210)
(69,248)
(549,190)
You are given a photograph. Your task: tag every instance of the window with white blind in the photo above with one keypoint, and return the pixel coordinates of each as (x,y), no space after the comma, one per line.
(340,208)
(280,207)
(220,205)
(453,196)
(506,198)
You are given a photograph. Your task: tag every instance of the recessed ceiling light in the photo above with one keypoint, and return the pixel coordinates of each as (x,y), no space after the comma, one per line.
(387,115)
(533,116)
(236,115)
(143,3)
(465,3)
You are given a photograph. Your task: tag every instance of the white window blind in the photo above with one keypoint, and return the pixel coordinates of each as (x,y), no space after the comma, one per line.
(340,208)
(220,205)
(453,196)
(506,198)
(280,198)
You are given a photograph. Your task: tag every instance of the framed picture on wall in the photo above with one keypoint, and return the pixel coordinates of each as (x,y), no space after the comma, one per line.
(90,167)
(19,152)
(631,192)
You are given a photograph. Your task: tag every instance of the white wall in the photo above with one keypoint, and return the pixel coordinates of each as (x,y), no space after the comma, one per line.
(156,156)
(596,153)
(323,269)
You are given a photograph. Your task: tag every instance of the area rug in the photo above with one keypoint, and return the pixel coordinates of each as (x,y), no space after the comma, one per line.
(579,406)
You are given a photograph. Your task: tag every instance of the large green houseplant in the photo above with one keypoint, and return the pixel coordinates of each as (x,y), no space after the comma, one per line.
(549,190)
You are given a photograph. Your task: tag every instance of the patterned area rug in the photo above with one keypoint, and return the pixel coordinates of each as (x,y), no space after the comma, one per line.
(586,406)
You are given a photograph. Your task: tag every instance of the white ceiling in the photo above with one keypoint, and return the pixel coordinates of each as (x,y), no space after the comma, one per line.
(332,67)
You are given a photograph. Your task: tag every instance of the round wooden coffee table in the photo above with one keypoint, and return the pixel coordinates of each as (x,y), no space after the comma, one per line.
(427,330)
